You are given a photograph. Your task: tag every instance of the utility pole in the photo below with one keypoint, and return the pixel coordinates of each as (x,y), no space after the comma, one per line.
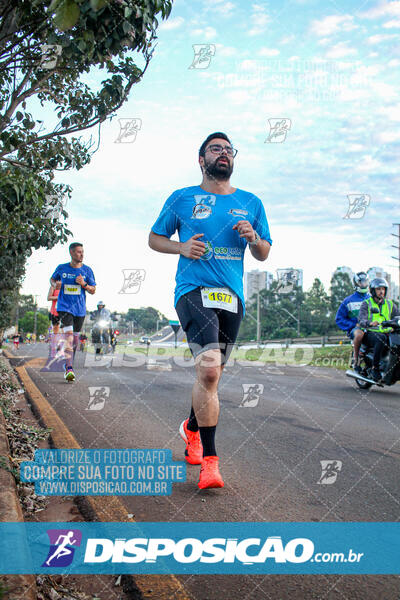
(258,316)
(17,314)
(35,318)
(293,317)
(397,235)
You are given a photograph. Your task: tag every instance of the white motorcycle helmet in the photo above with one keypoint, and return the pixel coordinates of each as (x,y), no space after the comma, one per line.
(361,282)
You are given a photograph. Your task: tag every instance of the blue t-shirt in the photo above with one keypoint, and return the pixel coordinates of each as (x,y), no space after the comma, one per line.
(192,210)
(72,296)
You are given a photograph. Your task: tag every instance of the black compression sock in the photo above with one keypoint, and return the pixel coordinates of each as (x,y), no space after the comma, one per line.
(207,435)
(192,423)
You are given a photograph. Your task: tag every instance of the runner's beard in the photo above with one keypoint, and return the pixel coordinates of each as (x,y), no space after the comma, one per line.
(219,171)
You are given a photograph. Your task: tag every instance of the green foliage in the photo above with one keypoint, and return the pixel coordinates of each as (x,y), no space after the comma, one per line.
(341,286)
(145,318)
(316,308)
(279,313)
(3,589)
(83,35)
(47,50)
(26,324)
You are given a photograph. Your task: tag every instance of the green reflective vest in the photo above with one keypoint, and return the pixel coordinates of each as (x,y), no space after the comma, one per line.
(385,312)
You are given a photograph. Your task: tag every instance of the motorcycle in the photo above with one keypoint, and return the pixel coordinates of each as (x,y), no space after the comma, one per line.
(101,332)
(389,365)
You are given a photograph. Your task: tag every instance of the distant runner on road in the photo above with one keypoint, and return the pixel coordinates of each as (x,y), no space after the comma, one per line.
(215,223)
(76,279)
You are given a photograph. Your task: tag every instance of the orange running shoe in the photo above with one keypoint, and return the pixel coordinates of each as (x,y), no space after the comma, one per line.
(194,447)
(210,477)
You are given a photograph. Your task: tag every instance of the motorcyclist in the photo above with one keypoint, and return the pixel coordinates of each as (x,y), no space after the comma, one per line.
(347,316)
(102,314)
(373,311)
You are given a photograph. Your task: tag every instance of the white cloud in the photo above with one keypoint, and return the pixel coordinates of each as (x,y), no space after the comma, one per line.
(384,9)
(226,50)
(173,23)
(287,39)
(220,7)
(206,33)
(388,137)
(394,24)
(340,50)
(268,52)
(239,96)
(259,19)
(382,37)
(368,163)
(332,24)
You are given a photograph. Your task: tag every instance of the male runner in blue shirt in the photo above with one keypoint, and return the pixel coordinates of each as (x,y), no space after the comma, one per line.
(215,223)
(76,279)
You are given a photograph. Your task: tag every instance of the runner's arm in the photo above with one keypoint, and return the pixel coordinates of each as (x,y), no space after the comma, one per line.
(50,294)
(261,250)
(245,230)
(91,289)
(161,243)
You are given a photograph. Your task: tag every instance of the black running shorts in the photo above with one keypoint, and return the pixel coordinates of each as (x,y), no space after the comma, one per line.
(68,320)
(55,319)
(208,328)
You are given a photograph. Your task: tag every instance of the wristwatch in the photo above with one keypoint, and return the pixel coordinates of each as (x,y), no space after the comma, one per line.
(257,239)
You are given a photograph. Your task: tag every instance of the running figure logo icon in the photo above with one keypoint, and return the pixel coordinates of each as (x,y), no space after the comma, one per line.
(203,54)
(132,280)
(330,471)
(358,204)
(278,129)
(61,553)
(97,397)
(251,394)
(128,128)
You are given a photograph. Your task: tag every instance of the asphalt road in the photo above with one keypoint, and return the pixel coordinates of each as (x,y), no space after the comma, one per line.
(270,455)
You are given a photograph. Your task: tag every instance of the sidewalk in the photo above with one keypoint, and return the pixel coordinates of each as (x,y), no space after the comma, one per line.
(16,586)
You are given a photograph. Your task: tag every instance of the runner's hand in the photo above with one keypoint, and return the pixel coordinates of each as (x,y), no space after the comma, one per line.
(245,230)
(374,324)
(80,280)
(193,248)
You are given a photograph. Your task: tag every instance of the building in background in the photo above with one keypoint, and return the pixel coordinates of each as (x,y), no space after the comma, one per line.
(255,281)
(345,270)
(393,291)
(289,279)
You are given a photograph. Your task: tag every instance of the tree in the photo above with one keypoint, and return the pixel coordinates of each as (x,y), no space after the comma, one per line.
(145,318)
(341,287)
(27,221)
(317,308)
(46,49)
(27,323)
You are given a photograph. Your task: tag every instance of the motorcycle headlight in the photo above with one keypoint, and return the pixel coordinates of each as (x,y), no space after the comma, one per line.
(102,323)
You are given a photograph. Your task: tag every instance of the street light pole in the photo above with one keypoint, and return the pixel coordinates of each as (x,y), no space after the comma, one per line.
(258,317)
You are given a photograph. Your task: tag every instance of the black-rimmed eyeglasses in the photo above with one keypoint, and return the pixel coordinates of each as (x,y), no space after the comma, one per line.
(218,149)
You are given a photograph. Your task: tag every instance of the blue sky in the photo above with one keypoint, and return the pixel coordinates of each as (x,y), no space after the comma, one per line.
(332,69)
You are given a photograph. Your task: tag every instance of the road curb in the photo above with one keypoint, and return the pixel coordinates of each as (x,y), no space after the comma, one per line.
(17,586)
(97,508)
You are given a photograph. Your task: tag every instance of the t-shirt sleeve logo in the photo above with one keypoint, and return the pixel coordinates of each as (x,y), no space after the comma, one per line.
(202,207)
